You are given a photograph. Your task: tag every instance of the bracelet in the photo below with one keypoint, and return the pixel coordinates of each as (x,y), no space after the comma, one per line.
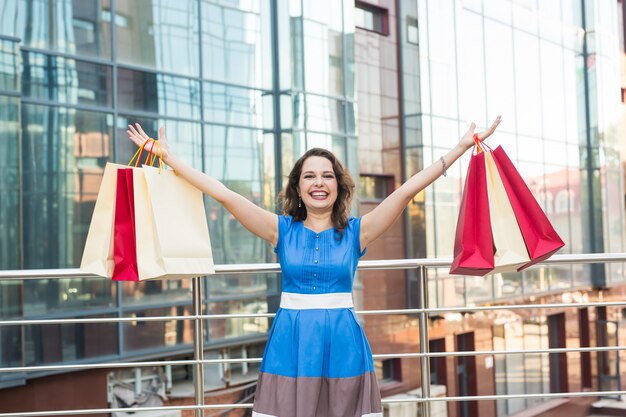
(443,166)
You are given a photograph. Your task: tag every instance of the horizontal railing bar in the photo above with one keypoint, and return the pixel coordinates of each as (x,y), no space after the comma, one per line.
(227,269)
(436,310)
(513,396)
(249,405)
(498,352)
(112,365)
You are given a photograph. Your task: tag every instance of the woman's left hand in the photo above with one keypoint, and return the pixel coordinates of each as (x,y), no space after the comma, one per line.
(467,141)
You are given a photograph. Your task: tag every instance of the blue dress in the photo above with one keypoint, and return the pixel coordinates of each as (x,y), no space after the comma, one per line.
(317,361)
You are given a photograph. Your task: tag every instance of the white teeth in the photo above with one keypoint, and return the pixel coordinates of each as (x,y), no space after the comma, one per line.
(318,194)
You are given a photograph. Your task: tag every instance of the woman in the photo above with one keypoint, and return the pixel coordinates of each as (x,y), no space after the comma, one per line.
(317,361)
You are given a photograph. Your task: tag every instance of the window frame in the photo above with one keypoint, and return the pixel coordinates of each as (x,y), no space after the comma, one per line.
(377,11)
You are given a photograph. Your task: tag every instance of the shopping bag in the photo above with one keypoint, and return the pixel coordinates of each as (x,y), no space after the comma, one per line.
(172,230)
(541,240)
(98,252)
(510,249)
(473,243)
(124,244)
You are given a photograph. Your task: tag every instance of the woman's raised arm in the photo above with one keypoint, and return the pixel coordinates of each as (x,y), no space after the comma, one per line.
(257,220)
(376,222)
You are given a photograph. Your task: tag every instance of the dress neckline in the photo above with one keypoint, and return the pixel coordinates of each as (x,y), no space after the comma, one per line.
(317,233)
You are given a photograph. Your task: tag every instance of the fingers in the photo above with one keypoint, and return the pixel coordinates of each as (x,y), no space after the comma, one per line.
(143,134)
(484,135)
(471,128)
(495,124)
(162,135)
(135,136)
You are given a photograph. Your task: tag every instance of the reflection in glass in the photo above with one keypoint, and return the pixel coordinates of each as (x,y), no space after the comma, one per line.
(63,156)
(8,17)
(236,156)
(234,105)
(65,80)
(10,336)
(158,93)
(72,26)
(323,58)
(46,296)
(9,79)
(237,327)
(9,184)
(143,335)
(499,69)
(234,285)
(159,35)
(167,291)
(183,138)
(54,343)
(535,337)
(236,43)
(514,365)
(325,114)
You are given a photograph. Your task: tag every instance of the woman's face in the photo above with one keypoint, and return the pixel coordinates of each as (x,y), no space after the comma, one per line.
(318,185)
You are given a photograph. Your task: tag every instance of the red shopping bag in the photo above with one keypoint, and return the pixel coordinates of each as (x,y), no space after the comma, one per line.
(473,244)
(541,239)
(124,249)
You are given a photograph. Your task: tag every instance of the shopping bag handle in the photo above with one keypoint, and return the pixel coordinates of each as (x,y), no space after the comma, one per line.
(479,145)
(151,156)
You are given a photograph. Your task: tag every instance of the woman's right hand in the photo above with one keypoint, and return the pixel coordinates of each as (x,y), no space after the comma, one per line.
(139,137)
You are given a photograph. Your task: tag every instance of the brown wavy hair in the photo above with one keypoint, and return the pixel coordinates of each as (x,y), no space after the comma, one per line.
(289,196)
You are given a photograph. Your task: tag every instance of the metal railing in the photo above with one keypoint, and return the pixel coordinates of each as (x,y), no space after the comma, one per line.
(423,312)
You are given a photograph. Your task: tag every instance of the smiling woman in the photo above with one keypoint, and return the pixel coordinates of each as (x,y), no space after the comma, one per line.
(317,361)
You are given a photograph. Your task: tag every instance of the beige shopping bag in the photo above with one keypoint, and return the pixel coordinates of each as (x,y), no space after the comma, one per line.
(171,227)
(511,252)
(98,253)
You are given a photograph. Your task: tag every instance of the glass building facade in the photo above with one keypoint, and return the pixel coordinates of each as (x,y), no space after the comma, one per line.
(559,93)
(243,88)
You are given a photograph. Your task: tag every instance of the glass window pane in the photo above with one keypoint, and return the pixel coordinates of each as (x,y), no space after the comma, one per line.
(9,183)
(528,82)
(64,152)
(235,46)
(155,292)
(235,285)
(8,17)
(236,106)
(238,327)
(69,342)
(64,80)
(158,93)
(10,336)
(72,26)
(442,60)
(236,156)
(183,138)
(552,94)
(160,35)
(323,59)
(325,114)
(470,68)
(514,364)
(9,61)
(150,335)
(45,296)
(499,67)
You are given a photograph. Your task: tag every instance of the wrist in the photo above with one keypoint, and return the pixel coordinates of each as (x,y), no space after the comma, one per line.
(463,147)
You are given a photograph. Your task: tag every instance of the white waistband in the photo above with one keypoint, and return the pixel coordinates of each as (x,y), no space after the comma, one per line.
(297,301)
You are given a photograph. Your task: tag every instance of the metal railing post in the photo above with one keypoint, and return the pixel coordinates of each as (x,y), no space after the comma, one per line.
(422,303)
(198,345)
